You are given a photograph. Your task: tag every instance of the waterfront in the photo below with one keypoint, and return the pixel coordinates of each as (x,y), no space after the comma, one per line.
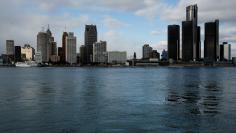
(117,100)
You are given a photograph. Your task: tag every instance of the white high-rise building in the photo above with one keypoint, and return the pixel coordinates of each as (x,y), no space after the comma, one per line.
(147,50)
(100,52)
(71,56)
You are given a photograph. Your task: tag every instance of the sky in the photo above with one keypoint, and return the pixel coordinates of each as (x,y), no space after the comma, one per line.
(126,25)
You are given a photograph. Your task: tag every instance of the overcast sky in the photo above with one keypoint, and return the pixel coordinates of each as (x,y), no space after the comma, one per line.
(124,24)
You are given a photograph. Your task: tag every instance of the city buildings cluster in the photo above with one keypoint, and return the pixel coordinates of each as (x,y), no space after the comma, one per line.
(191,40)
(94,52)
(91,53)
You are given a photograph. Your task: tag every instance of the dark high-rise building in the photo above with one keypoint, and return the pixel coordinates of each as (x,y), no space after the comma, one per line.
(83,54)
(60,53)
(17,53)
(90,37)
(187,41)
(198,46)
(211,46)
(174,42)
(63,56)
(192,15)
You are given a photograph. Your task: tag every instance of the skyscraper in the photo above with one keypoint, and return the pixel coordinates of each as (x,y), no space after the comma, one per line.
(17,53)
(71,56)
(82,54)
(198,46)
(174,42)
(187,41)
(90,37)
(211,46)
(225,52)
(63,56)
(45,41)
(10,47)
(192,17)
(147,50)
(100,52)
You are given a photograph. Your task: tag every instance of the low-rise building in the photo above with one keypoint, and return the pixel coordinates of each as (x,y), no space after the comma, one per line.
(28,52)
(117,57)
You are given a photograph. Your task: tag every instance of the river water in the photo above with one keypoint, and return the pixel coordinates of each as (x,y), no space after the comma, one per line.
(117,100)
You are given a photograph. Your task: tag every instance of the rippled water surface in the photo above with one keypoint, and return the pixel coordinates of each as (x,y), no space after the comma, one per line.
(117,100)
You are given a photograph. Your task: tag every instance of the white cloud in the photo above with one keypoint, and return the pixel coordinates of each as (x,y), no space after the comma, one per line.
(112,23)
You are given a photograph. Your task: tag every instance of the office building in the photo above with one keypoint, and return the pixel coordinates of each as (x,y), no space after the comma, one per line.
(10,47)
(193,36)
(82,54)
(211,46)
(164,55)
(225,52)
(100,52)
(54,48)
(187,41)
(63,55)
(60,53)
(71,48)
(45,41)
(147,50)
(117,57)
(38,58)
(174,42)
(28,52)
(90,37)
(198,45)
(17,53)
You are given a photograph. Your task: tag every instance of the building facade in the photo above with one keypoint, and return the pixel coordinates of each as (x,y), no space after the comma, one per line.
(63,55)
(211,44)
(225,52)
(187,41)
(10,47)
(17,53)
(117,57)
(100,52)
(71,56)
(45,41)
(174,42)
(192,15)
(147,50)
(90,37)
(28,52)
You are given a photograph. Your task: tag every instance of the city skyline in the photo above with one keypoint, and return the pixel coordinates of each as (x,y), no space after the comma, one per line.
(121,26)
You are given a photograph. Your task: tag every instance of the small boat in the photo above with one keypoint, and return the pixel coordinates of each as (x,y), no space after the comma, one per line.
(22,64)
(26,64)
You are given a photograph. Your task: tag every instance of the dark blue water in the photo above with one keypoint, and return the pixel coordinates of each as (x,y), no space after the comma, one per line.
(117,100)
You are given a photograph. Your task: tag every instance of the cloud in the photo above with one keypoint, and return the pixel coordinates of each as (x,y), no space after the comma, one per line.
(113,23)
(22,19)
(155,33)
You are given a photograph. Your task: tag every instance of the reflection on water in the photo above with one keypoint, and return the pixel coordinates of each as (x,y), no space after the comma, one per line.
(128,100)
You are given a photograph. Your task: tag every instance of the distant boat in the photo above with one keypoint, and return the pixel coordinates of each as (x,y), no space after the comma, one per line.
(26,64)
